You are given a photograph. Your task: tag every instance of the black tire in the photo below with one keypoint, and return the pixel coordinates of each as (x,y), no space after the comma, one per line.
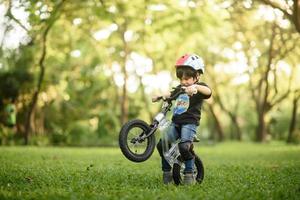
(126,144)
(178,172)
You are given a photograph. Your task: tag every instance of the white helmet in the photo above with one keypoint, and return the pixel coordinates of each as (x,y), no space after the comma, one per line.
(191,60)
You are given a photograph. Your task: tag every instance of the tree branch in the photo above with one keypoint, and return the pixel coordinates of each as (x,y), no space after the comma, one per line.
(277,6)
(296,14)
(11,16)
(294,17)
(270,58)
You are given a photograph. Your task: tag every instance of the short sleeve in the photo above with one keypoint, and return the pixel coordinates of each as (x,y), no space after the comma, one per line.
(203,96)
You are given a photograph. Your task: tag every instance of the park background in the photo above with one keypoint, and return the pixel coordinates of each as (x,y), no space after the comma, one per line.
(77,70)
(73,72)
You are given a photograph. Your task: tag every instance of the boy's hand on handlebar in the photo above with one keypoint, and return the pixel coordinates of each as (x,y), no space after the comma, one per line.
(191,90)
(156,98)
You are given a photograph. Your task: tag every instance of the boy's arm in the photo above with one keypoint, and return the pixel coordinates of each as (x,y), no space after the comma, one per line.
(198,88)
(203,90)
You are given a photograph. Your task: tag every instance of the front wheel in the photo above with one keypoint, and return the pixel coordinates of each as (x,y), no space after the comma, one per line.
(131,143)
(178,169)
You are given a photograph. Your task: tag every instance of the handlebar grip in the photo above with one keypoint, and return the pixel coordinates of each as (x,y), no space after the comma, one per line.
(171,98)
(156,99)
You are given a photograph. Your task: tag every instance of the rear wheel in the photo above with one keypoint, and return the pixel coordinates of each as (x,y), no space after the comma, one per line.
(178,169)
(131,143)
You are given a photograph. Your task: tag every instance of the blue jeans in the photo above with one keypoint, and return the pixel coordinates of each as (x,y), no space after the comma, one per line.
(186,134)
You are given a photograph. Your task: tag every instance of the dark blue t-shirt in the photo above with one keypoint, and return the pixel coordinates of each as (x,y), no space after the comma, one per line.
(187,109)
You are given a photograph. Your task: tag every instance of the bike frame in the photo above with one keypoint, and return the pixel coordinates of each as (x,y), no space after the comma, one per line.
(166,107)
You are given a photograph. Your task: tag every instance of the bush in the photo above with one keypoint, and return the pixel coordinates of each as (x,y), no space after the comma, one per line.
(58,136)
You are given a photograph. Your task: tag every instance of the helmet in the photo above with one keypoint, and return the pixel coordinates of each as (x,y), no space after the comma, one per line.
(191,60)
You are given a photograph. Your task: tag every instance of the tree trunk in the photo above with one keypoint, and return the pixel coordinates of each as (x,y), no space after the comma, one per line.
(232,113)
(293,119)
(124,102)
(261,127)
(34,100)
(124,98)
(41,75)
(296,15)
(218,127)
(236,126)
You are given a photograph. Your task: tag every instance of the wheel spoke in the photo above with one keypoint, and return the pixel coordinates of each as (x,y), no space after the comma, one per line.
(134,143)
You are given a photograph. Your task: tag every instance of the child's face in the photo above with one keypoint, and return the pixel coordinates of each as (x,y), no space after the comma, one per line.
(187,81)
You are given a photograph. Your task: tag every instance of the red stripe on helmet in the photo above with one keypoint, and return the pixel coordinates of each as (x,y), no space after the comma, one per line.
(182,60)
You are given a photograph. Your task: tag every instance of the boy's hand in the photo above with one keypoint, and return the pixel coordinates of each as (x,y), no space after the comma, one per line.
(191,90)
(155,98)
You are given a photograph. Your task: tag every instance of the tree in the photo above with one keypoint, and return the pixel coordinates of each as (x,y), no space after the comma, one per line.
(44,35)
(293,122)
(290,8)
(263,73)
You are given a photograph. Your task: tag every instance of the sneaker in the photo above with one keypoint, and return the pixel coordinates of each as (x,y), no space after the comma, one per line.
(196,139)
(188,179)
(167,177)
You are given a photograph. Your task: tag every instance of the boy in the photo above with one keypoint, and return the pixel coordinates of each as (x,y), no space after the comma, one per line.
(186,114)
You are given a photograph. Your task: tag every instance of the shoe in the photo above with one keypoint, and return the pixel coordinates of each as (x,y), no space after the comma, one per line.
(167,177)
(196,139)
(188,179)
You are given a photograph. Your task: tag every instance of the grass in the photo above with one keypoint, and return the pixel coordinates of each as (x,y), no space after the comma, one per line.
(232,171)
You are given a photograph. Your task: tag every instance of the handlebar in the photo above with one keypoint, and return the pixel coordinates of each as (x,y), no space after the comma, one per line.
(173,97)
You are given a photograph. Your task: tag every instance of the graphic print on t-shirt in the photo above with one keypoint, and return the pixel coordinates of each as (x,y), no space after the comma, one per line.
(181,105)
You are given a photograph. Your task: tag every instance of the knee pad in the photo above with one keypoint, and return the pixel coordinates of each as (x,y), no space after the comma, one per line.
(185,150)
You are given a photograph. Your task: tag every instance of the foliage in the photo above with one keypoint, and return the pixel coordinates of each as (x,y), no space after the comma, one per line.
(13,83)
(89,51)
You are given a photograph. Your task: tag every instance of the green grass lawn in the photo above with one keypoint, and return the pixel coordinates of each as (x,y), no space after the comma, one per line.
(232,171)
